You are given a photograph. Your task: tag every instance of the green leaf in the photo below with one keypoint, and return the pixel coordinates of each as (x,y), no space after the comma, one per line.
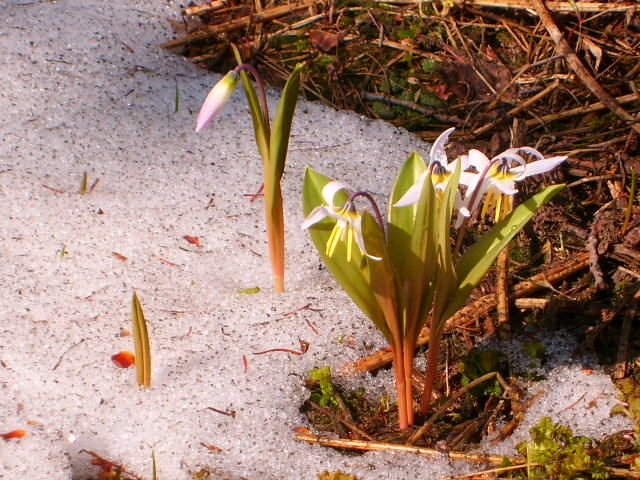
(419,273)
(352,276)
(381,275)
(279,142)
(327,395)
(401,219)
(141,343)
(446,276)
(477,260)
(260,123)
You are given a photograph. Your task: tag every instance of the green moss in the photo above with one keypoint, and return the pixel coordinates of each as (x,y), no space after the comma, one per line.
(560,455)
(630,389)
(326,397)
(477,363)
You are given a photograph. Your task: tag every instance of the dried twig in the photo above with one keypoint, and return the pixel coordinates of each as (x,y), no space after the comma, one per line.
(210,31)
(363,445)
(578,67)
(422,430)
(555,6)
(621,366)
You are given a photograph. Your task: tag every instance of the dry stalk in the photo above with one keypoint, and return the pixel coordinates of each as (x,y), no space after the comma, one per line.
(445,406)
(578,67)
(554,6)
(363,445)
(210,31)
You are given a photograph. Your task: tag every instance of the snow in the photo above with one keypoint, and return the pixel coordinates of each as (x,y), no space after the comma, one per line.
(87,89)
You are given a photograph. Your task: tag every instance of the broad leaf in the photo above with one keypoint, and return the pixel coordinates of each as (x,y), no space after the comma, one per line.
(352,276)
(401,219)
(419,271)
(281,130)
(477,260)
(381,275)
(446,275)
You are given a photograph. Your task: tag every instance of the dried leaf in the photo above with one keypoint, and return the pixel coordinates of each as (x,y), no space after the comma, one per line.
(248,291)
(192,240)
(324,41)
(19,433)
(124,359)
(142,345)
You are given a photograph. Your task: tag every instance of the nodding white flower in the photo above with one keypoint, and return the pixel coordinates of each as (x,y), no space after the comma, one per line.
(348,221)
(218,96)
(440,170)
(497,177)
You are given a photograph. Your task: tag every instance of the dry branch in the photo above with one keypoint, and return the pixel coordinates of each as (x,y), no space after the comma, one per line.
(557,6)
(594,107)
(382,446)
(578,67)
(209,31)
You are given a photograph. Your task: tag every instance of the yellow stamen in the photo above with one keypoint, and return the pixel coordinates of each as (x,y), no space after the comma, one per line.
(498,202)
(334,238)
(349,242)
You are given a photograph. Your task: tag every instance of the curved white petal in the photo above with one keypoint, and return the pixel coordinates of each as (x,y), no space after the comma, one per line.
(316,215)
(541,166)
(357,226)
(529,150)
(508,187)
(464,164)
(510,155)
(437,153)
(475,193)
(330,189)
(412,195)
(477,159)
(468,178)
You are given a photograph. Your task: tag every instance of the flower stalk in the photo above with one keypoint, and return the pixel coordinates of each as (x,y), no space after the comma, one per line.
(272,140)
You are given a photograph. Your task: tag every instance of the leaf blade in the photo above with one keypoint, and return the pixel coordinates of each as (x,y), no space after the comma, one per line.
(141,343)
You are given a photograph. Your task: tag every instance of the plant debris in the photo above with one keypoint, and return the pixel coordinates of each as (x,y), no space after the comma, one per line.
(568,70)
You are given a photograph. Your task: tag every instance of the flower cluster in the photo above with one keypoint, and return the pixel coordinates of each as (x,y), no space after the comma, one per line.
(493,179)
(405,272)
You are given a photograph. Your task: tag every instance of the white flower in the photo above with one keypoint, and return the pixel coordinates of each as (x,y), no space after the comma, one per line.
(440,170)
(348,221)
(218,96)
(497,177)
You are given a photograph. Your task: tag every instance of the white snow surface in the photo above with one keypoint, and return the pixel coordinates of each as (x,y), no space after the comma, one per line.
(86,88)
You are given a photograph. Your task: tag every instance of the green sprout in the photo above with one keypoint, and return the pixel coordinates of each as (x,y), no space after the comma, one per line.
(404,272)
(327,395)
(272,140)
